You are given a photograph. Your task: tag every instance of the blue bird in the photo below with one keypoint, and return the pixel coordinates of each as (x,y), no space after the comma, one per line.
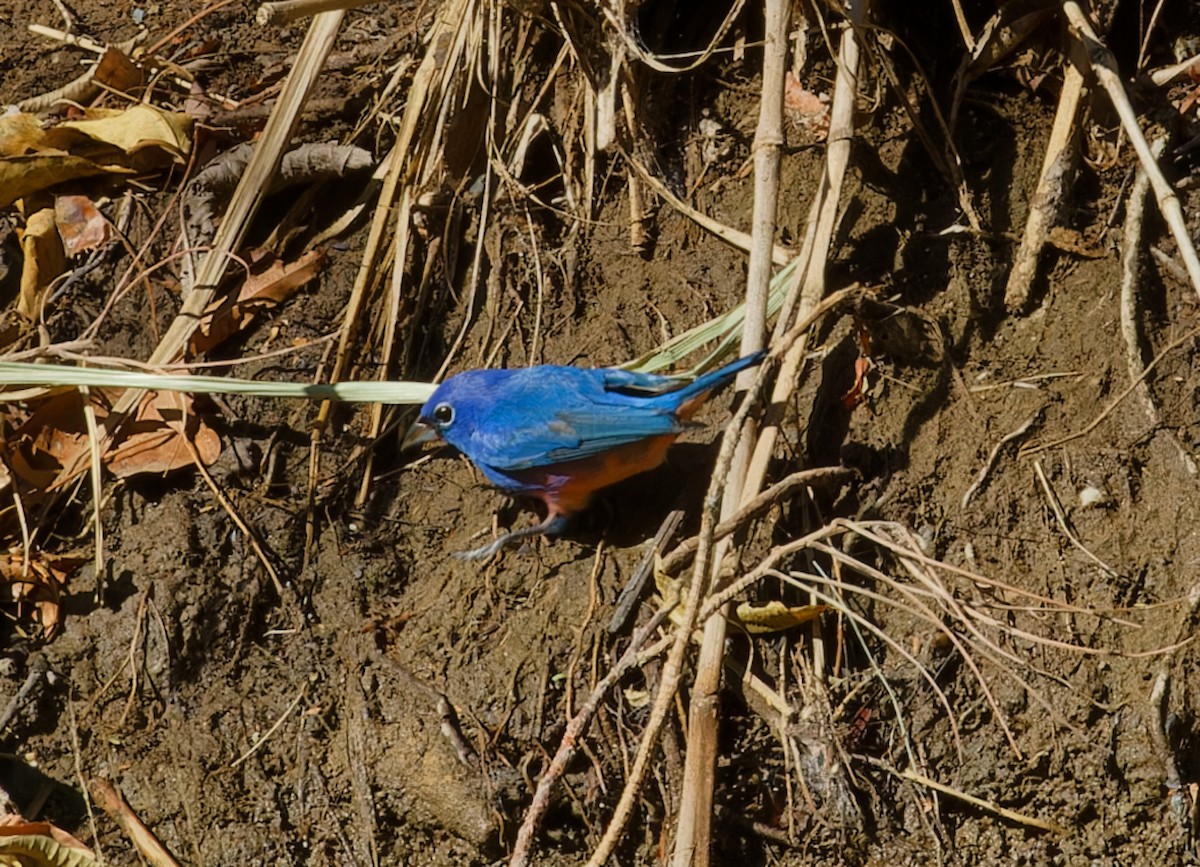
(559,434)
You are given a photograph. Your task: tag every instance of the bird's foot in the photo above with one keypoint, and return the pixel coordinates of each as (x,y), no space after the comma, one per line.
(552,526)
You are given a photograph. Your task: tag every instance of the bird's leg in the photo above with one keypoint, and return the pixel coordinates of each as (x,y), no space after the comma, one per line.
(552,526)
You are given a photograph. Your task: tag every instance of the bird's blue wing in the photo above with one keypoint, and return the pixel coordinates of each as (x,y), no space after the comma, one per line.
(632,382)
(571,433)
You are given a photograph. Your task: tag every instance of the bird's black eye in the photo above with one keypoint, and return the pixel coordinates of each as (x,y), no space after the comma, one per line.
(443,413)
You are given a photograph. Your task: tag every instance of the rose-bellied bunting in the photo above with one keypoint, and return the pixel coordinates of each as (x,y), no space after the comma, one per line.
(559,434)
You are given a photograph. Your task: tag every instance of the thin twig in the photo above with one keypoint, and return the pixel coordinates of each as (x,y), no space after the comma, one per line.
(109,799)
(682,554)
(990,464)
(575,729)
(1012,815)
(38,668)
(1107,411)
(1064,524)
(254,747)
(627,600)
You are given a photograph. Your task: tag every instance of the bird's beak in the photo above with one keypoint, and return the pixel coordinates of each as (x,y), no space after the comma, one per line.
(419,434)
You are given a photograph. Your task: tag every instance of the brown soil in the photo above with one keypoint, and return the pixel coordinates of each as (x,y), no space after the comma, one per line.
(192,657)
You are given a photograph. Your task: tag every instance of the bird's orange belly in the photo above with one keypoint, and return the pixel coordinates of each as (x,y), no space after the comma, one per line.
(567,488)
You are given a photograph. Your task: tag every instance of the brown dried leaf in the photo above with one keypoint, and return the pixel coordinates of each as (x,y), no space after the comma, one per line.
(262,290)
(105,141)
(50,448)
(40,844)
(80,224)
(153,443)
(117,72)
(40,586)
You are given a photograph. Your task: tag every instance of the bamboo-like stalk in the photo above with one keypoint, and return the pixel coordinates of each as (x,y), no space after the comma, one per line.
(810,280)
(694,821)
(1104,65)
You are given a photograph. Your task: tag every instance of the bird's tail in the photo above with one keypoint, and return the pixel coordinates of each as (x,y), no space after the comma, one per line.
(692,395)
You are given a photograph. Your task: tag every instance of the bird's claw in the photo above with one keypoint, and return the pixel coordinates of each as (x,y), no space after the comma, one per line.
(552,526)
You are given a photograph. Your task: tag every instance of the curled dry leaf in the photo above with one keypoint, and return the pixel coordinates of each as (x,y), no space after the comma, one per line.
(154,441)
(38,588)
(40,844)
(44,260)
(106,141)
(775,616)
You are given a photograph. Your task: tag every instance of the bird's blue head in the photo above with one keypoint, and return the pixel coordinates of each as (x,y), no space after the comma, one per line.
(449,414)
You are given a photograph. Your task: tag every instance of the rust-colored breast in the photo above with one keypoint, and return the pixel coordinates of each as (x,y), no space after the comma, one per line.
(568,487)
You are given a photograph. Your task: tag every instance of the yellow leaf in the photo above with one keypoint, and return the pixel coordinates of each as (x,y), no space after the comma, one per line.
(138,127)
(774,616)
(44,260)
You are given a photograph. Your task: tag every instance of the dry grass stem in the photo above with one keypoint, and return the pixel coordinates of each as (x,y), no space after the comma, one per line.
(1104,65)
(1052,189)
(286,11)
(733,237)
(82,88)
(990,463)
(782,490)
(257,745)
(1065,525)
(959,795)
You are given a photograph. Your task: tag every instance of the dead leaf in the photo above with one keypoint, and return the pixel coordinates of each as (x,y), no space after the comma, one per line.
(50,449)
(153,442)
(40,844)
(117,72)
(857,392)
(44,261)
(40,586)
(106,141)
(261,291)
(80,224)
(135,128)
